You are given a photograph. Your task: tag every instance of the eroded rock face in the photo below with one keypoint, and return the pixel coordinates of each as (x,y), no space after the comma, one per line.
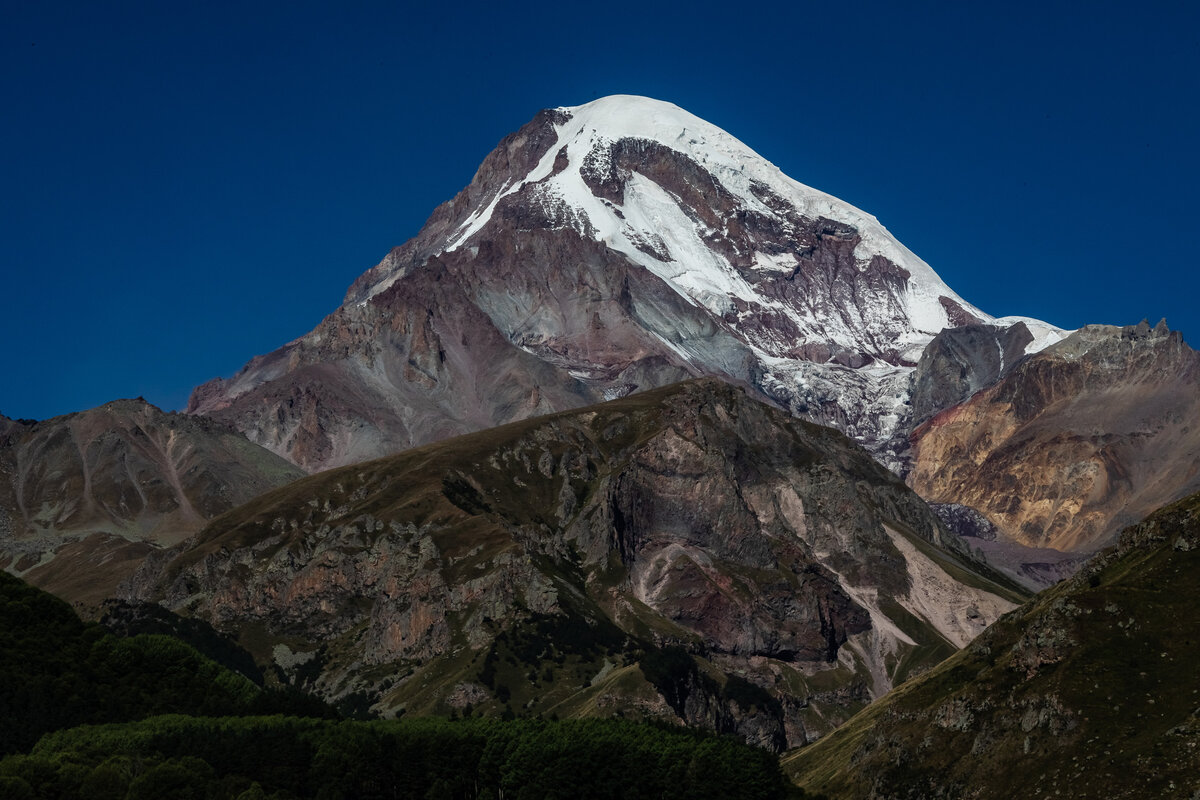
(580,544)
(601,250)
(83,497)
(1074,442)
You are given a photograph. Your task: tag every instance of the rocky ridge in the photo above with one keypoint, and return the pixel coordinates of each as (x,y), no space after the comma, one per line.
(684,553)
(960,361)
(85,496)
(1071,444)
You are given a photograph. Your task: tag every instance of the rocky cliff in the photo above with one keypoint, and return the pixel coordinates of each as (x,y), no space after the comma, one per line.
(1089,690)
(1074,442)
(84,497)
(960,361)
(684,553)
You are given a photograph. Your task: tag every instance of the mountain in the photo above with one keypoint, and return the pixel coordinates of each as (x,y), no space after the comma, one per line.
(1063,448)
(625,244)
(1088,690)
(84,497)
(604,249)
(685,553)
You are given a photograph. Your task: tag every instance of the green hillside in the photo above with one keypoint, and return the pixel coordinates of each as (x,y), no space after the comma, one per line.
(1090,690)
(287,757)
(57,671)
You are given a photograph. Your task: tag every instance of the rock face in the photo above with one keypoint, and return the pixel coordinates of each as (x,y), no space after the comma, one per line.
(1072,443)
(83,497)
(1091,688)
(684,553)
(961,361)
(600,250)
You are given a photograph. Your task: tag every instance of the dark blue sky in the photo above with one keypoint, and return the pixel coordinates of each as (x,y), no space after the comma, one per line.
(188,184)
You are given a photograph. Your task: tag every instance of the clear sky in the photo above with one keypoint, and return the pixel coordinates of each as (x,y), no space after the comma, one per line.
(188,184)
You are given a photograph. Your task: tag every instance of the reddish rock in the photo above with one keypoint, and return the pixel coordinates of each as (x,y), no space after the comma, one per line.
(1074,442)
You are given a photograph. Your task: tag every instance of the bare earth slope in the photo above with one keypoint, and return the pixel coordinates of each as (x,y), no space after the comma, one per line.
(685,553)
(83,497)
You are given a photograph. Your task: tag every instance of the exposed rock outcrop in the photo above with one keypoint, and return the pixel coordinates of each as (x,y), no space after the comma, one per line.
(961,361)
(1090,689)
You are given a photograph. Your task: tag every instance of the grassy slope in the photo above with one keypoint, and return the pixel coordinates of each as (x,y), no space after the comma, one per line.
(1089,690)
(457,493)
(410,486)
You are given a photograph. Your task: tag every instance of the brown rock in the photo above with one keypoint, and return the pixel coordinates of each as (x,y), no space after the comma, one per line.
(83,497)
(1074,442)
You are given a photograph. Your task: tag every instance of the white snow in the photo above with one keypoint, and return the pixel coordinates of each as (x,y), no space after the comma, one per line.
(775,262)
(695,270)
(1044,334)
(652,218)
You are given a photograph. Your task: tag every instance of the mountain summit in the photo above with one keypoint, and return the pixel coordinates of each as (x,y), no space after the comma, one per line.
(720,225)
(602,249)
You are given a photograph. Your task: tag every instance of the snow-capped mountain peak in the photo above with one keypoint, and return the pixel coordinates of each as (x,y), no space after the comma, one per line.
(621,244)
(606,173)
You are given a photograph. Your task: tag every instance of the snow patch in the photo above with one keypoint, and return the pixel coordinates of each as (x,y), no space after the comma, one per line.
(1044,334)
(740,170)
(775,262)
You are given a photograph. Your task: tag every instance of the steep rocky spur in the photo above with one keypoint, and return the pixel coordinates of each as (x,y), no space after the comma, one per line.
(1073,443)
(1088,690)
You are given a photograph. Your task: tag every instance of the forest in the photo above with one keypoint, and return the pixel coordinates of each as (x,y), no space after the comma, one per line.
(89,714)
